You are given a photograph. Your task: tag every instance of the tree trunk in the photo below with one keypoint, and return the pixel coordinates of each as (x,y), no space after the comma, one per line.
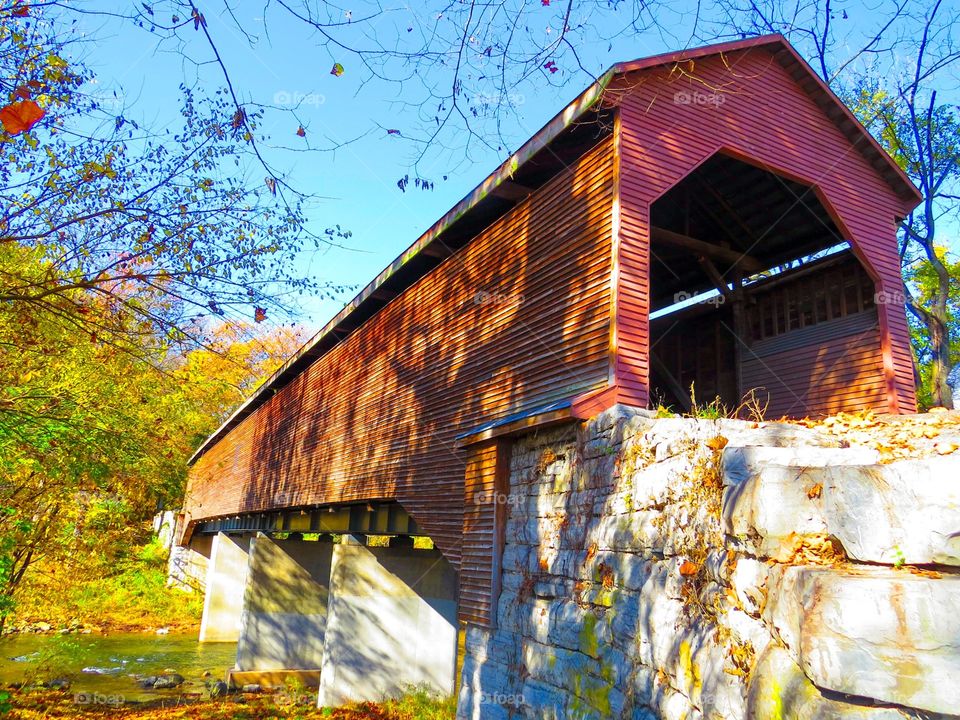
(939,362)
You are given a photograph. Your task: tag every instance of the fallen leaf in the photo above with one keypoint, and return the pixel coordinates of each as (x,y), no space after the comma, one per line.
(20,116)
(717,443)
(689,568)
(815,492)
(933,574)
(945,448)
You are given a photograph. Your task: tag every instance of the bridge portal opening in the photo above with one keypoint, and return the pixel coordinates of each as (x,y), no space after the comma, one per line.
(757,301)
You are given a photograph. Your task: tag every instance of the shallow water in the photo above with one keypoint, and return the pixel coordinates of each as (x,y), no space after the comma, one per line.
(107,665)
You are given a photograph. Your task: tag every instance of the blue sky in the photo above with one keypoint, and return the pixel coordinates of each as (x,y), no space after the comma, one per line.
(358,181)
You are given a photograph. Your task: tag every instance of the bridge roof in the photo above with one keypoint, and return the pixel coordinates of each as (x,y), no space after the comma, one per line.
(494,196)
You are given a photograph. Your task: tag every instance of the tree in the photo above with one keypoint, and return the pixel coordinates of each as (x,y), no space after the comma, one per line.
(93,440)
(161,230)
(925,141)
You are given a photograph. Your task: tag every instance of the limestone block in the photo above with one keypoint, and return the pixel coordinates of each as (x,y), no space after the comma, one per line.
(652,485)
(874,632)
(675,706)
(907,511)
(539,700)
(516,558)
(749,582)
(747,629)
(779,689)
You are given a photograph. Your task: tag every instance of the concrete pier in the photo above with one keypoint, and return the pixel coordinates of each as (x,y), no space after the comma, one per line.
(392,623)
(225,584)
(285,605)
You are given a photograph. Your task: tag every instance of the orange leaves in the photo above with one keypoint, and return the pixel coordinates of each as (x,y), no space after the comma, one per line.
(259,314)
(19,117)
(895,437)
(689,568)
(717,443)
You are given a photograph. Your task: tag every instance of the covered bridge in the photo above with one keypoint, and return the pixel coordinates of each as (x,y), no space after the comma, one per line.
(714,217)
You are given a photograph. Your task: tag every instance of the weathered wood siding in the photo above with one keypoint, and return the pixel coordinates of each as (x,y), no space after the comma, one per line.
(486,505)
(517,318)
(761,114)
(813,343)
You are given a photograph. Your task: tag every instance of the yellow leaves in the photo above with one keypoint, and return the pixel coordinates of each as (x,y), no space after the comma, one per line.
(815,492)
(815,549)
(55,61)
(92,170)
(895,437)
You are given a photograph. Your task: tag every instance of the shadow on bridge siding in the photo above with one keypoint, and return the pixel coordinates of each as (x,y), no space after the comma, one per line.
(514,320)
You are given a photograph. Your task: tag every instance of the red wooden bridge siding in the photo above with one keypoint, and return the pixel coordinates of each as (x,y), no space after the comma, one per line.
(376,416)
(551,302)
(768,119)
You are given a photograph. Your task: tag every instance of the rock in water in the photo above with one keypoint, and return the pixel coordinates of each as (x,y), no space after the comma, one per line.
(165,682)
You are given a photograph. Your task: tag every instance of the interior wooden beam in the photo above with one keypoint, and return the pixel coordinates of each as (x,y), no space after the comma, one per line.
(712,191)
(715,277)
(715,252)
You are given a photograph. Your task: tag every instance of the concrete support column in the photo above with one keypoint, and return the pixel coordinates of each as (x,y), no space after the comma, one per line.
(392,623)
(285,605)
(226,580)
